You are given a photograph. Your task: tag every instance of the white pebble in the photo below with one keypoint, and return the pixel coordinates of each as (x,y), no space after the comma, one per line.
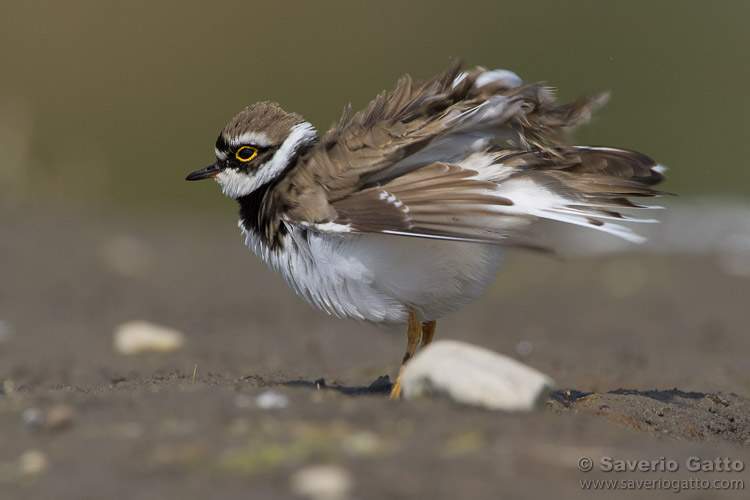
(32,462)
(475,376)
(33,417)
(271,400)
(138,336)
(322,482)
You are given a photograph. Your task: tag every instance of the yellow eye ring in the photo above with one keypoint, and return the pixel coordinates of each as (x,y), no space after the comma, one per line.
(242,153)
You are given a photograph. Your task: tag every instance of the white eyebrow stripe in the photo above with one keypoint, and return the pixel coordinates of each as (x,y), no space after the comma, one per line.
(255,138)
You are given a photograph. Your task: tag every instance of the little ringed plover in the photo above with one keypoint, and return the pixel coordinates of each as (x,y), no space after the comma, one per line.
(400,212)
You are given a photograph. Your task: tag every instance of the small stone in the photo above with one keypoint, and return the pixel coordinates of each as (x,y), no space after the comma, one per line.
(474,376)
(322,482)
(138,336)
(59,417)
(271,400)
(524,348)
(32,463)
(33,417)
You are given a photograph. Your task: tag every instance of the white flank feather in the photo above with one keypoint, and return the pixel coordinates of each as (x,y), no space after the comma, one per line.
(376,277)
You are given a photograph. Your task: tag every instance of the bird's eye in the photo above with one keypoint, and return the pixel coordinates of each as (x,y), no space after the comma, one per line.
(246,153)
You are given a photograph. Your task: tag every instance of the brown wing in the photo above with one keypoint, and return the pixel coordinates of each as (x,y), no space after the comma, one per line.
(441,120)
(585,186)
(439,200)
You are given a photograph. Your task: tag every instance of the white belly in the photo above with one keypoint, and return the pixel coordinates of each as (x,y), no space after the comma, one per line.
(376,277)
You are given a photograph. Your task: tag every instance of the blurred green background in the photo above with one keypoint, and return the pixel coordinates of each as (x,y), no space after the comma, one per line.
(109,104)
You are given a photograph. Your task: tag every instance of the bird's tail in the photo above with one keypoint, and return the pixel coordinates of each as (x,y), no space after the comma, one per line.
(586,186)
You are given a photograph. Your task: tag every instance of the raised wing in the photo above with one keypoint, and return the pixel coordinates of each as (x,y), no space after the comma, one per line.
(445,119)
(417,162)
(583,186)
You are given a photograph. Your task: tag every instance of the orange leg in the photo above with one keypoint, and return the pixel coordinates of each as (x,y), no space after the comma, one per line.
(414,333)
(428,331)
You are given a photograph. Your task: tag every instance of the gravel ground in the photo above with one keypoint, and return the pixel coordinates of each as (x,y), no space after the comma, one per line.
(270,398)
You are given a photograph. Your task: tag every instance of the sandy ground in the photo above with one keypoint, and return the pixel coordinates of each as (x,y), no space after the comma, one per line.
(650,354)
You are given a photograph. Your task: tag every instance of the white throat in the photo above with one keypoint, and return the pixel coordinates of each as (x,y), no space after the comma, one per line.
(237,184)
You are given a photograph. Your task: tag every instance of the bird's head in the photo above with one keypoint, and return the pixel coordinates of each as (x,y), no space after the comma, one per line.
(255,147)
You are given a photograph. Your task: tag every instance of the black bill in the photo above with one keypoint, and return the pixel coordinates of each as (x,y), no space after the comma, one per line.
(208,172)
